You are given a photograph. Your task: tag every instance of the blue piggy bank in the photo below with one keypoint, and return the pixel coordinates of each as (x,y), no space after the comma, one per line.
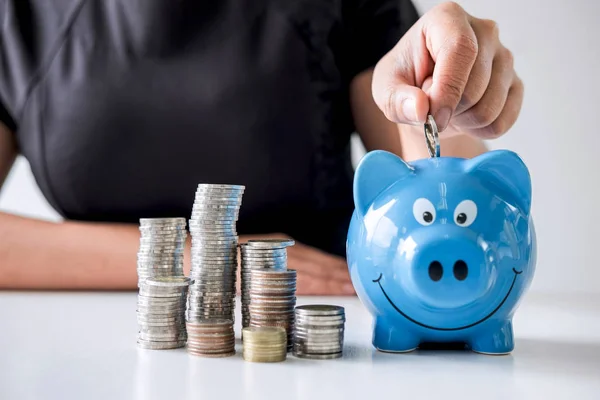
(443,249)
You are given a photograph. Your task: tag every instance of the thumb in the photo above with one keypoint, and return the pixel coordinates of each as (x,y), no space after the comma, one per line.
(395,91)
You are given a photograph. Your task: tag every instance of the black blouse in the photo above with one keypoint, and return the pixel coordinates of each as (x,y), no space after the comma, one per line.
(122,107)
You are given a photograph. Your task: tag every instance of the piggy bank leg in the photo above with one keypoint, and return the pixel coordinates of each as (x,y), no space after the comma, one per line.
(391,338)
(497,341)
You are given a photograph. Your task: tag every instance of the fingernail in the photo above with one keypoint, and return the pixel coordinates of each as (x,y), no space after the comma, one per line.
(442,118)
(409,110)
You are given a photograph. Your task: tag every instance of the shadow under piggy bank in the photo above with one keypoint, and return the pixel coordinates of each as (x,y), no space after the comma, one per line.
(443,249)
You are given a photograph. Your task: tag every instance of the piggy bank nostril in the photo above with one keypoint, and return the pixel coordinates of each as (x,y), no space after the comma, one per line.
(435,271)
(461,270)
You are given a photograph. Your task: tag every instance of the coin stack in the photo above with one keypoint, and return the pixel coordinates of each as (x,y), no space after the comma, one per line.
(214,252)
(260,254)
(161,313)
(272,300)
(211,338)
(161,247)
(319,331)
(265,344)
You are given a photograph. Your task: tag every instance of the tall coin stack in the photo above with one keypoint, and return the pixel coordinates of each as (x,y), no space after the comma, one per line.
(266,344)
(211,338)
(319,331)
(214,252)
(161,313)
(161,247)
(272,300)
(260,254)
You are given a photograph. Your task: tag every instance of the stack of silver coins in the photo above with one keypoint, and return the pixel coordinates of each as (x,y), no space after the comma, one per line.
(272,300)
(161,247)
(319,331)
(211,338)
(214,252)
(265,344)
(161,313)
(260,254)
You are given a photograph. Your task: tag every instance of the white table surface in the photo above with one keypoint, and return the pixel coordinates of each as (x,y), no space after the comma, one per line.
(83,346)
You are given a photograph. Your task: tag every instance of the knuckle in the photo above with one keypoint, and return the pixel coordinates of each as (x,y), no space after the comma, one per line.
(493,131)
(490,27)
(451,7)
(484,115)
(508,58)
(487,115)
(498,128)
(474,91)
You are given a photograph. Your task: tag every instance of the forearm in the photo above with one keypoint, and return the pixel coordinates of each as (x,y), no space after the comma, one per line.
(44,255)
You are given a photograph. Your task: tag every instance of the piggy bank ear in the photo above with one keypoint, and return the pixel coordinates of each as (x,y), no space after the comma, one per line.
(504,173)
(377,171)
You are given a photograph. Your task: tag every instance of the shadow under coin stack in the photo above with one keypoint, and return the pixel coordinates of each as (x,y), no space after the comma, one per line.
(161,313)
(211,338)
(272,300)
(266,344)
(260,254)
(319,331)
(214,252)
(161,247)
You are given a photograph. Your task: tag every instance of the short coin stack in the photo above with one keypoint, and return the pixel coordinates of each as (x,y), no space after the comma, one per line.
(211,338)
(161,313)
(260,254)
(266,344)
(272,300)
(161,247)
(319,331)
(214,252)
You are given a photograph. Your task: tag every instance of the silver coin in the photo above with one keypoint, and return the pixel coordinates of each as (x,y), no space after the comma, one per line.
(164,322)
(150,345)
(329,319)
(216,215)
(220,186)
(249,251)
(206,197)
(159,300)
(215,239)
(261,257)
(166,295)
(320,310)
(270,243)
(162,337)
(317,356)
(432,138)
(199,233)
(169,324)
(152,221)
(317,349)
(168,281)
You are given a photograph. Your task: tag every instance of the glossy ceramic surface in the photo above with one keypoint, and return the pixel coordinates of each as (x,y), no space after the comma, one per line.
(442,249)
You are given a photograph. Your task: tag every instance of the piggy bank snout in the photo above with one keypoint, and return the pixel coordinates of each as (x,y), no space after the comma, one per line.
(450,272)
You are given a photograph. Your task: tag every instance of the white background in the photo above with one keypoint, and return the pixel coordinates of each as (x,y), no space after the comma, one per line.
(557,54)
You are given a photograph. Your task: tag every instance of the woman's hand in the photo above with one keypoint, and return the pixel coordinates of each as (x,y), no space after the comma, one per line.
(452,65)
(319,273)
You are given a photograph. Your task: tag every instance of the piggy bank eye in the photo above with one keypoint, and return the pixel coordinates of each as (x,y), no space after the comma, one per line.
(424,211)
(465,213)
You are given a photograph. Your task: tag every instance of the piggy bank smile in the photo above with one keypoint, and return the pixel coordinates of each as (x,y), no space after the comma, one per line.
(442,250)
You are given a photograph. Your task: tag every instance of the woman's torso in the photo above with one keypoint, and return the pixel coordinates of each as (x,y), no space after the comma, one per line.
(125,106)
